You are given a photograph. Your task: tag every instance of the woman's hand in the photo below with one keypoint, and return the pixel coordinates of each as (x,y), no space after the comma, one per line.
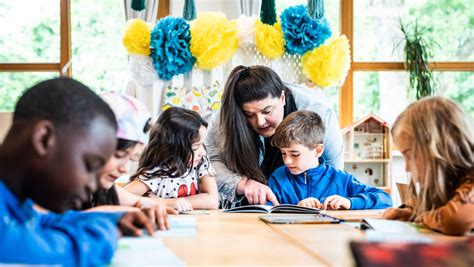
(310,202)
(336,202)
(256,193)
(159,216)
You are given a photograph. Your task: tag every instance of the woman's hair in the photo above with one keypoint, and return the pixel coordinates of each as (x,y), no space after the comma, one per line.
(441,134)
(170,146)
(241,144)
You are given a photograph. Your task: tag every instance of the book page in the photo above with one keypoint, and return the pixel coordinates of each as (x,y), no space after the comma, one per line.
(251,209)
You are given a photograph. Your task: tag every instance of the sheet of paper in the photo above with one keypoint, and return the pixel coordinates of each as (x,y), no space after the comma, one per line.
(195,212)
(377,236)
(144,251)
(179,226)
(394,231)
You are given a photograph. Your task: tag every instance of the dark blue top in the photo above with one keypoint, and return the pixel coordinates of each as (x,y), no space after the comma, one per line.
(324,181)
(72,238)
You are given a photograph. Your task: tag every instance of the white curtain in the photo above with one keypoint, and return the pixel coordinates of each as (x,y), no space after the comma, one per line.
(148,14)
(250,7)
(149,94)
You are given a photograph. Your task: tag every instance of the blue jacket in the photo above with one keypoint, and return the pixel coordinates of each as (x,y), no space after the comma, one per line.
(73,238)
(324,181)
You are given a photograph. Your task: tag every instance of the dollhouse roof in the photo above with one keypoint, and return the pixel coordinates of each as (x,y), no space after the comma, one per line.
(364,119)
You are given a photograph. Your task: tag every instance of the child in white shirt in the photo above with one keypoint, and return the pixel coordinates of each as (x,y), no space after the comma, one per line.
(174,165)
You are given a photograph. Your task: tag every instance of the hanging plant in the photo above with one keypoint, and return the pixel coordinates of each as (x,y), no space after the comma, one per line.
(417,51)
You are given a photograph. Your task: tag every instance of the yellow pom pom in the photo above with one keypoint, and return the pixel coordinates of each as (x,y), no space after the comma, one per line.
(328,64)
(269,39)
(137,37)
(214,39)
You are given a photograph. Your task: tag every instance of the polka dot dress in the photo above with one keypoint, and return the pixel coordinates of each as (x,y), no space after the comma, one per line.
(186,185)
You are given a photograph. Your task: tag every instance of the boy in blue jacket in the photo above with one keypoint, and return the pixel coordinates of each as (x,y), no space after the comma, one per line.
(61,136)
(306,180)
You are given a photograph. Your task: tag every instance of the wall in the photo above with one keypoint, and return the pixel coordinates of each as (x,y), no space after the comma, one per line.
(5,123)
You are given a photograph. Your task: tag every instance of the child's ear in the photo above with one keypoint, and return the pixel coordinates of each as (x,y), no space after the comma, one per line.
(319,150)
(43,137)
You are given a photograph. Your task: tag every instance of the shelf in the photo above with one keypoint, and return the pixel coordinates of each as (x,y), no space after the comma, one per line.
(366,160)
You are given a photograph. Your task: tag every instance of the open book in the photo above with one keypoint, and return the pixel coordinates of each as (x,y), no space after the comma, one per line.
(283,208)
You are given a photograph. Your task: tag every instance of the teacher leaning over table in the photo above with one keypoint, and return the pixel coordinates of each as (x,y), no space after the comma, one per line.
(254,103)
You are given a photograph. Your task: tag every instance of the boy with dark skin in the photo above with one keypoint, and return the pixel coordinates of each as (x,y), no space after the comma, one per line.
(61,136)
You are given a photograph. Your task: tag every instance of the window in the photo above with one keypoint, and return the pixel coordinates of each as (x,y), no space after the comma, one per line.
(99,59)
(382,93)
(377,81)
(31,41)
(457,86)
(377,35)
(30,31)
(14,83)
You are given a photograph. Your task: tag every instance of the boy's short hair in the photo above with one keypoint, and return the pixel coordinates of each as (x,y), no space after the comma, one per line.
(304,127)
(64,102)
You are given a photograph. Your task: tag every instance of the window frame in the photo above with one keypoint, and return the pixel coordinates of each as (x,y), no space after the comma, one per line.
(65,49)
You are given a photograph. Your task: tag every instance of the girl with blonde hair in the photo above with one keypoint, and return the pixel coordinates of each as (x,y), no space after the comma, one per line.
(435,138)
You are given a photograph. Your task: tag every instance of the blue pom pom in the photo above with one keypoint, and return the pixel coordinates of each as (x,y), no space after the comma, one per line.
(301,32)
(169,45)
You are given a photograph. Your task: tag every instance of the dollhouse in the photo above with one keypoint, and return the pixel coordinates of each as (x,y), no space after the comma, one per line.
(367,151)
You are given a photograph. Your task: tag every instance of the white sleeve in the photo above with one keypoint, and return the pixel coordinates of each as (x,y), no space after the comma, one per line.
(152,183)
(205,168)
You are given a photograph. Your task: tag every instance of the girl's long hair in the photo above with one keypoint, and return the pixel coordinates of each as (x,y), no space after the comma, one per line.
(441,134)
(170,146)
(241,143)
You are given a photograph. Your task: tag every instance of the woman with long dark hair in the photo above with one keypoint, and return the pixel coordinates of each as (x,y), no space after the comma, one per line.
(254,103)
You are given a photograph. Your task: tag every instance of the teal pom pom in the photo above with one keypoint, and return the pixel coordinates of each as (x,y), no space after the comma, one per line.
(301,32)
(169,45)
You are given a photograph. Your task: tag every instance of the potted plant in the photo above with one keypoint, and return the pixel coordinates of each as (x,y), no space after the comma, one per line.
(417,51)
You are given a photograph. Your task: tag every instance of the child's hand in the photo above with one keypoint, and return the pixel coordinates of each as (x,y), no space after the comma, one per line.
(336,202)
(182,205)
(310,202)
(159,216)
(156,211)
(132,222)
(403,214)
